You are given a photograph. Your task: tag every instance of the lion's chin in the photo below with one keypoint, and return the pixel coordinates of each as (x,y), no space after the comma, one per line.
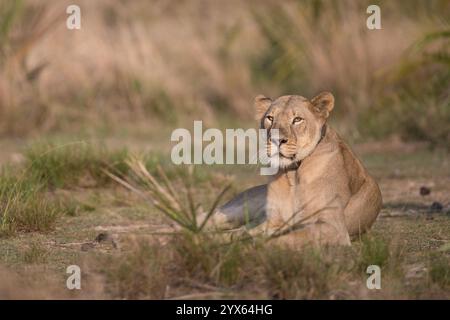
(288,163)
(283,162)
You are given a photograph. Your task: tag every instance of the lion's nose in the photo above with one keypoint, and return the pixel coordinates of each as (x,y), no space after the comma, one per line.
(278,142)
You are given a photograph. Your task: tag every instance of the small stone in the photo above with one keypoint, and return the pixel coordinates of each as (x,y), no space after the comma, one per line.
(101,237)
(424,191)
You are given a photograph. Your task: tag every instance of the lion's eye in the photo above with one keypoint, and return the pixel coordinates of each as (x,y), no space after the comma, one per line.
(297,120)
(270,118)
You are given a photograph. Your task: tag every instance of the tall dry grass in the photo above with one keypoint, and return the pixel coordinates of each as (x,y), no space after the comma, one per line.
(141,60)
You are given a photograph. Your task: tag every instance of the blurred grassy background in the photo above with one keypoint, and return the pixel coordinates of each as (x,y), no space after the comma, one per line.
(152,64)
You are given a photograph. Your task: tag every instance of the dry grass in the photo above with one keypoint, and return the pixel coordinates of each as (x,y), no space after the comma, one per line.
(28,202)
(72,164)
(24,206)
(139,61)
(178,203)
(190,265)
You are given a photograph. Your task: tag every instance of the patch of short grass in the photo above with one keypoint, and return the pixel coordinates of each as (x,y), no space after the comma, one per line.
(35,254)
(374,251)
(208,258)
(196,174)
(302,274)
(200,263)
(28,201)
(24,206)
(384,253)
(72,164)
(73,207)
(139,273)
(439,270)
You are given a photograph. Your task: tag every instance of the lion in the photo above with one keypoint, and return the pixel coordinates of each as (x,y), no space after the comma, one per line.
(322,194)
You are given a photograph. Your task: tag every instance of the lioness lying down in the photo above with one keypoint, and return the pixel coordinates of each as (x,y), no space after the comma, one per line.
(322,194)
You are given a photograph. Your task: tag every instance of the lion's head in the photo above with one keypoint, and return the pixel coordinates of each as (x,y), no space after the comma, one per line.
(299,122)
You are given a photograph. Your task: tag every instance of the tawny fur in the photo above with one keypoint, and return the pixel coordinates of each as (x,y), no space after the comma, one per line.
(322,193)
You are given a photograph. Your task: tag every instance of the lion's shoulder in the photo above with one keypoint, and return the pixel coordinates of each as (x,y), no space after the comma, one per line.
(352,166)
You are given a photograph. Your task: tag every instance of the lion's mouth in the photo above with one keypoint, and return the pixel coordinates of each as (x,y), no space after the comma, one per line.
(291,157)
(282,155)
(278,153)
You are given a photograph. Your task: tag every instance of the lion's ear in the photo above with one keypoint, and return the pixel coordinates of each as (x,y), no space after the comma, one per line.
(323,103)
(262,104)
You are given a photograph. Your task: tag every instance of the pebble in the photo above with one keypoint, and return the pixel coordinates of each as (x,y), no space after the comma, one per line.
(103,236)
(424,191)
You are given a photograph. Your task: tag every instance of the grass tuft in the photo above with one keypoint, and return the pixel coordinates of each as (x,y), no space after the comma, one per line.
(439,270)
(35,254)
(140,273)
(77,163)
(176,202)
(374,251)
(24,206)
